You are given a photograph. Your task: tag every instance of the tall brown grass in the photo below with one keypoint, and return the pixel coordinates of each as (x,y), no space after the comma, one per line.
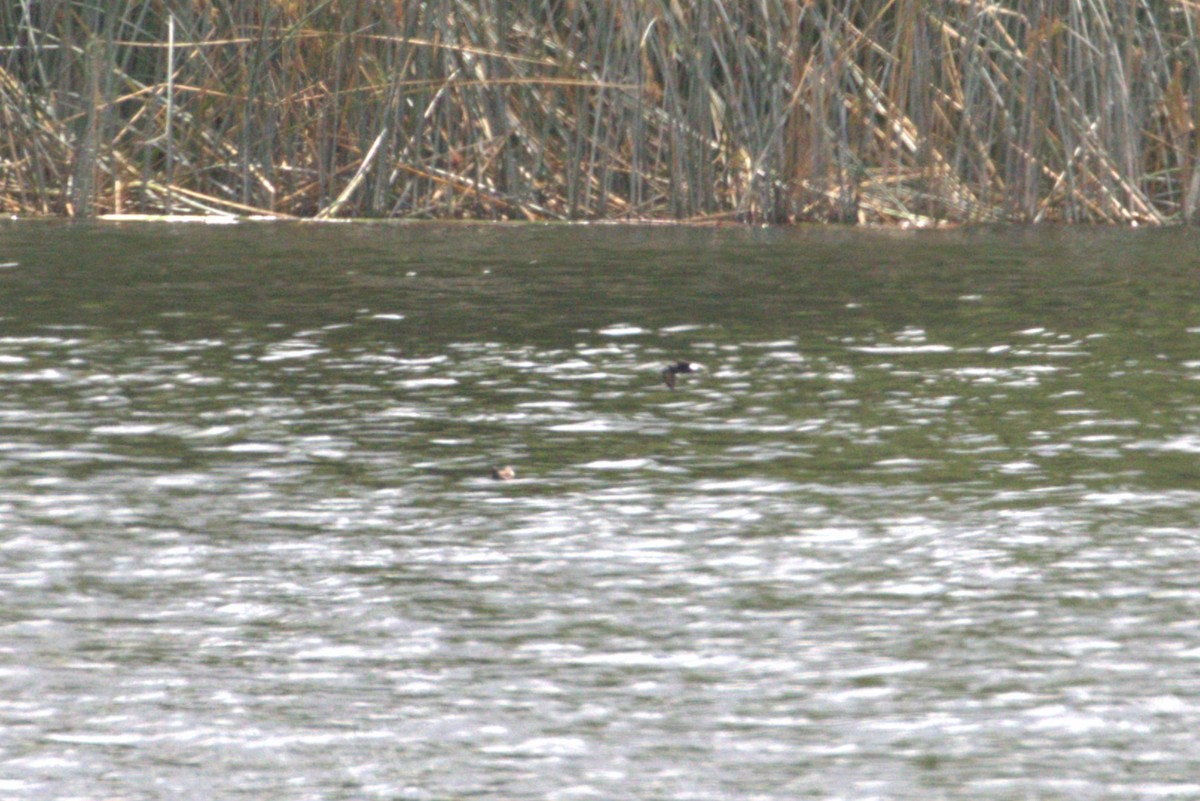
(772,111)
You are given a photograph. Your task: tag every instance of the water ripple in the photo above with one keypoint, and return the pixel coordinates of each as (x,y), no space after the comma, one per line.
(897,537)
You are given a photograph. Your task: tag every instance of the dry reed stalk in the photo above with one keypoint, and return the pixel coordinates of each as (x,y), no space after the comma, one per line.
(893,111)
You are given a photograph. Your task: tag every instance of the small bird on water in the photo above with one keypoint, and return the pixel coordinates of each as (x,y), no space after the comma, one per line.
(670,371)
(505,473)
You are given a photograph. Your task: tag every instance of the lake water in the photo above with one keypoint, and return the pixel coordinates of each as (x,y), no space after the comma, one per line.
(926,525)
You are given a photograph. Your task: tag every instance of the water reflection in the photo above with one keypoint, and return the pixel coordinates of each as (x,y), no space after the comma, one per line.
(923,526)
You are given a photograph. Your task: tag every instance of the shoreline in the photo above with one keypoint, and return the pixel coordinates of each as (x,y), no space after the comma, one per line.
(697,223)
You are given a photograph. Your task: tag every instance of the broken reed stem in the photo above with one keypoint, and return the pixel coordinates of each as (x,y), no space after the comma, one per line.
(919,111)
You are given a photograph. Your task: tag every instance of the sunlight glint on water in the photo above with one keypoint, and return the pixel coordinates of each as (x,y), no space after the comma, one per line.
(923,526)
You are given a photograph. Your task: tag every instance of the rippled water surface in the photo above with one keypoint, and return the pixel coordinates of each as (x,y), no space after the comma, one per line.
(926,525)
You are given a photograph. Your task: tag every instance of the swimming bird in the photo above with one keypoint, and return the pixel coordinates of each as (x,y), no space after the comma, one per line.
(671,370)
(505,473)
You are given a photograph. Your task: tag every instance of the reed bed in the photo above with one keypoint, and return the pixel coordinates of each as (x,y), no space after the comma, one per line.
(914,111)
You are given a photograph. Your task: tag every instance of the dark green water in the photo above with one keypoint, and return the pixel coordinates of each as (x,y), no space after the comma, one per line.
(927,525)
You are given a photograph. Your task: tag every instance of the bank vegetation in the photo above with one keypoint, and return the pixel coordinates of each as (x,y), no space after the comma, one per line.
(868,111)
